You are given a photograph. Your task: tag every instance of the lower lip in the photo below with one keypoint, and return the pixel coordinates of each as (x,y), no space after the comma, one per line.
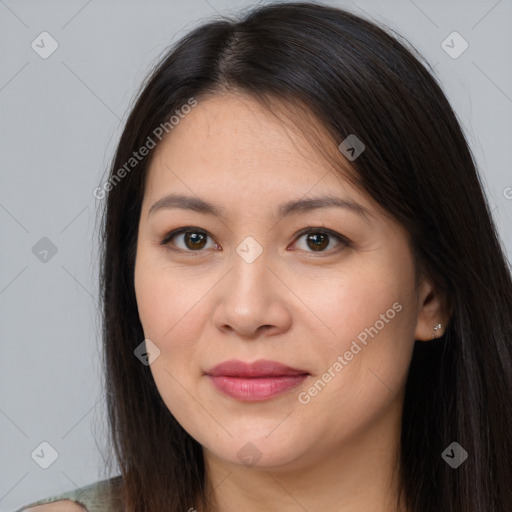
(256,389)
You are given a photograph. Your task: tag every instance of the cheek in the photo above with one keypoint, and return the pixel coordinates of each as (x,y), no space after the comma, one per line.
(152,299)
(364,364)
(164,299)
(371,318)
(170,313)
(173,314)
(347,305)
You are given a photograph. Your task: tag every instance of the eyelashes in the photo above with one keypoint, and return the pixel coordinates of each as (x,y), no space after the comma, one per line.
(319,241)
(197,238)
(319,237)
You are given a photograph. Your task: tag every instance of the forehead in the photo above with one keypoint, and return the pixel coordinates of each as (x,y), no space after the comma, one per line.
(237,131)
(232,142)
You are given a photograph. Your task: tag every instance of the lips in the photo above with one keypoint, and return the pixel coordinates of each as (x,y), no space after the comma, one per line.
(262,368)
(255,382)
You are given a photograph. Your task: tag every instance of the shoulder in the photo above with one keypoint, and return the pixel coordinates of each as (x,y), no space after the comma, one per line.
(57,506)
(100,496)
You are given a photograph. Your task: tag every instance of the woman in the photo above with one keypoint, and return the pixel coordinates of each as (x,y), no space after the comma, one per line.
(306,304)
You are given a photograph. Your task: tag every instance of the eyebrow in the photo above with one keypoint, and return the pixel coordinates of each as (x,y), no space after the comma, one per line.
(291,207)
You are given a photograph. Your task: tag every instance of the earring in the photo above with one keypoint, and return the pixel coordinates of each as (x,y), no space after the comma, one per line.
(434,332)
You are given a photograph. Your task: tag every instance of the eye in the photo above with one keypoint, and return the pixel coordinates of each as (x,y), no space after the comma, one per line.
(194,239)
(317,239)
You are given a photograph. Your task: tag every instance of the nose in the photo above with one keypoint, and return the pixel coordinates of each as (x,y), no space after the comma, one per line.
(251,301)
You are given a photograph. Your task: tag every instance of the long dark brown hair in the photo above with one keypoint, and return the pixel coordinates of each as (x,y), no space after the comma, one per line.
(354,77)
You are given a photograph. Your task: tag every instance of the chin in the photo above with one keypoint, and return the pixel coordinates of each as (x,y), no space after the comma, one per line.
(256,448)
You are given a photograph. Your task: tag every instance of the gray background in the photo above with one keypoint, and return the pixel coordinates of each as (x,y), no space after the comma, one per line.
(60,120)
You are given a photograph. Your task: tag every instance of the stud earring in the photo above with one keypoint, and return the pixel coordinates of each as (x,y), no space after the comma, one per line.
(434,332)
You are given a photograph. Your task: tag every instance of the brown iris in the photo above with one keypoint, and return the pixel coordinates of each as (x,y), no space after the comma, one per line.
(320,240)
(197,240)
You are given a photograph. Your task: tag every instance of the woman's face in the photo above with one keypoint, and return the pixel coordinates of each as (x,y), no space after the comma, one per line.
(243,283)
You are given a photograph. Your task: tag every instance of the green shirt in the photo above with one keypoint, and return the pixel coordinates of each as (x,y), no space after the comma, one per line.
(94,497)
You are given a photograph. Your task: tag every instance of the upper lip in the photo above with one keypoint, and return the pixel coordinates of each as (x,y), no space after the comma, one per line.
(261,368)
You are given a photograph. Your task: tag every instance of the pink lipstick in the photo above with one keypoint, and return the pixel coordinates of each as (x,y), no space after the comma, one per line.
(254,382)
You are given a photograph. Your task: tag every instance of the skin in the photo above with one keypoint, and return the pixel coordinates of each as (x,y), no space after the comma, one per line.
(58,506)
(294,305)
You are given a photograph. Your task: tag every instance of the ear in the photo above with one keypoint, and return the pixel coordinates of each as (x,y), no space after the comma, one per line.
(432,311)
